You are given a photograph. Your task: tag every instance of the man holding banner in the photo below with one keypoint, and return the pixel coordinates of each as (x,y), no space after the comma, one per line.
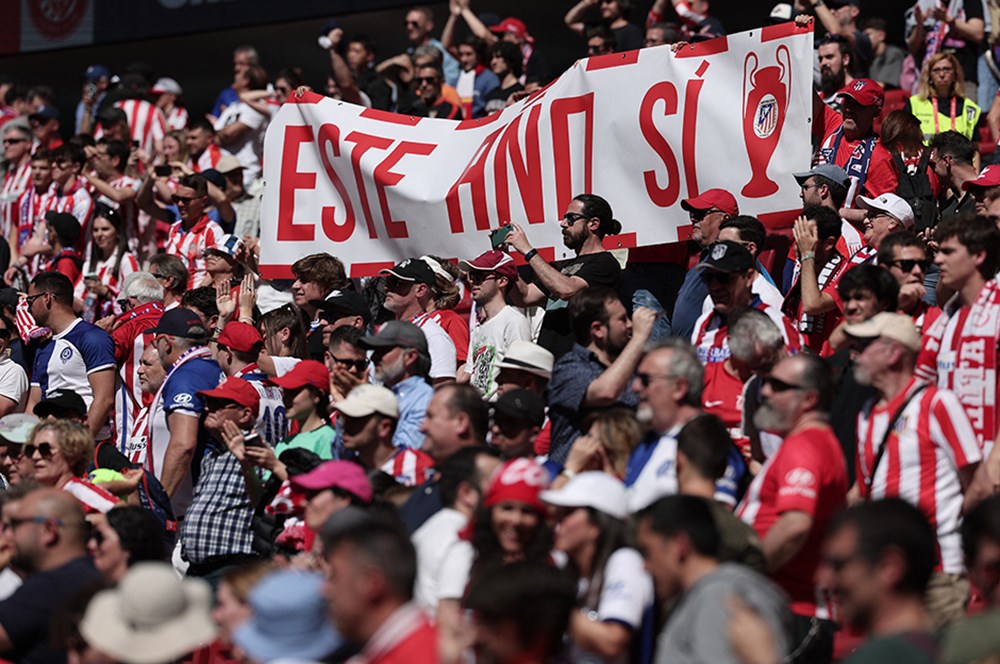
(586,222)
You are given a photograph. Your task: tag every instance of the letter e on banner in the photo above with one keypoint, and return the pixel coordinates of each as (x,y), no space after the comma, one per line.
(291,181)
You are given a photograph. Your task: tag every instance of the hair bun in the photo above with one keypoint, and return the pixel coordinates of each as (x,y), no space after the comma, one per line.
(615,227)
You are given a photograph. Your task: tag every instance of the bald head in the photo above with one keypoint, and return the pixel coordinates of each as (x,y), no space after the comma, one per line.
(62,508)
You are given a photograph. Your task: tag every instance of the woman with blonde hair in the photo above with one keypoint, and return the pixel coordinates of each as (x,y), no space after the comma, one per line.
(611,436)
(940,104)
(60,451)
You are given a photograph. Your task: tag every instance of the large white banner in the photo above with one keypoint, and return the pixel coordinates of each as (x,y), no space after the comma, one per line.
(644,129)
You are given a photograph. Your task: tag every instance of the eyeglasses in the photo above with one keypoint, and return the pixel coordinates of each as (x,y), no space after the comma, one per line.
(12,523)
(220,404)
(30,299)
(12,451)
(721,278)
(778,385)
(573,217)
(476,277)
(426,79)
(907,264)
(645,379)
(45,450)
(357,365)
(157,275)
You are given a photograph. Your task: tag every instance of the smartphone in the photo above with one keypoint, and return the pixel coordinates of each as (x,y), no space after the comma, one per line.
(499,235)
(92,275)
(253,440)
(135,144)
(162,171)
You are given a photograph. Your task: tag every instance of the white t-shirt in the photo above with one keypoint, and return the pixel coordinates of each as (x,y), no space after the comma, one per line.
(249,149)
(442,349)
(626,592)
(456,565)
(432,541)
(488,343)
(13,382)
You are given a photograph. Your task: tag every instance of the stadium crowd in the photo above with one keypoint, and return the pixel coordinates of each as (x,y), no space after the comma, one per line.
(779,448)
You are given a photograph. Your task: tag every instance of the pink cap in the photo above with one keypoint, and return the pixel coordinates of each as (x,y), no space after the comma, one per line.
(345,475)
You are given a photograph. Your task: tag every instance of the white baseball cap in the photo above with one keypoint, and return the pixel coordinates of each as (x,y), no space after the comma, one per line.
(593,488)
(367,399)
(890,204)
(168,85)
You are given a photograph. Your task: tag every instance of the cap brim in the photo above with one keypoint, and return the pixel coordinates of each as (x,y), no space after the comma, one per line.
(354,409)
(507,364)
(561,499)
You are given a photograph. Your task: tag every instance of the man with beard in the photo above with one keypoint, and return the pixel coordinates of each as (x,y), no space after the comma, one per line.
(587,221)
(402,363)
(905,256)
(835,65)
(49,538)
(597,371)
(795,495)
(914,442)
(668,384)
(877,559)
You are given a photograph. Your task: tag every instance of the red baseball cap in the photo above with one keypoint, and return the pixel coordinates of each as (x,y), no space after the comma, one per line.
(990,177)
(515,25)
(306,372)
(492,261)
(520,480)
(240,337)
(719,199)
(236,390)
(345,475)
(864,91)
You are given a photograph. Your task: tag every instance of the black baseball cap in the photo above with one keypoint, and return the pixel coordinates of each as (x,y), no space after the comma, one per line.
(521,405)
(344,303)
(412,269)
(181,322)
(727,256)
(59,403)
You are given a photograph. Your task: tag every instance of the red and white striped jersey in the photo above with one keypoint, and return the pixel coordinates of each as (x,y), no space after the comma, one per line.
(92,498)
(960,352)
(105,271)
(190,246)
(711,339)
(77,202)
(146,123)
(177,118)
(128,209)
(930,442)
(130,338)
(208,159)
(807,474)
(924,316)
(15,182)
(409,467)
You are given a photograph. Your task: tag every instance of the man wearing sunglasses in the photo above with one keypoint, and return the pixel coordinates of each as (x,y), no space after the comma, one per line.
(884,214)
(428,80)
(905,256)
(707,212)
(16,171)
(78,357)
(932,437)
(795,495)
(190,236)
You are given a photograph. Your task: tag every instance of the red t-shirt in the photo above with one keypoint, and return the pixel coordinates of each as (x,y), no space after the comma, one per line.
(882,177)
(808,474)
(723,397)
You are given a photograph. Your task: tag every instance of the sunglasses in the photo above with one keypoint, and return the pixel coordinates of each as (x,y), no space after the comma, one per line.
(907,264)
(573,217)
(698,215)
(183,199)
(30,299)
(645,379)
(14,141)
(216,405)
(476,277)
(45,450)
(357,365)
(426,79)
(407,24)
(778,385)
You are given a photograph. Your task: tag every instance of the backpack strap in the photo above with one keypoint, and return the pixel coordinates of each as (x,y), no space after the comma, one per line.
(870,479)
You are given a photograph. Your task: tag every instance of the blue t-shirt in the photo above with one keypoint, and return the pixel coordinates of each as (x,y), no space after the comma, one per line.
(180,395)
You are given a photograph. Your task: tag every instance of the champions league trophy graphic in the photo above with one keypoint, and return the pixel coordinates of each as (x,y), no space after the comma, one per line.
(764,106)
